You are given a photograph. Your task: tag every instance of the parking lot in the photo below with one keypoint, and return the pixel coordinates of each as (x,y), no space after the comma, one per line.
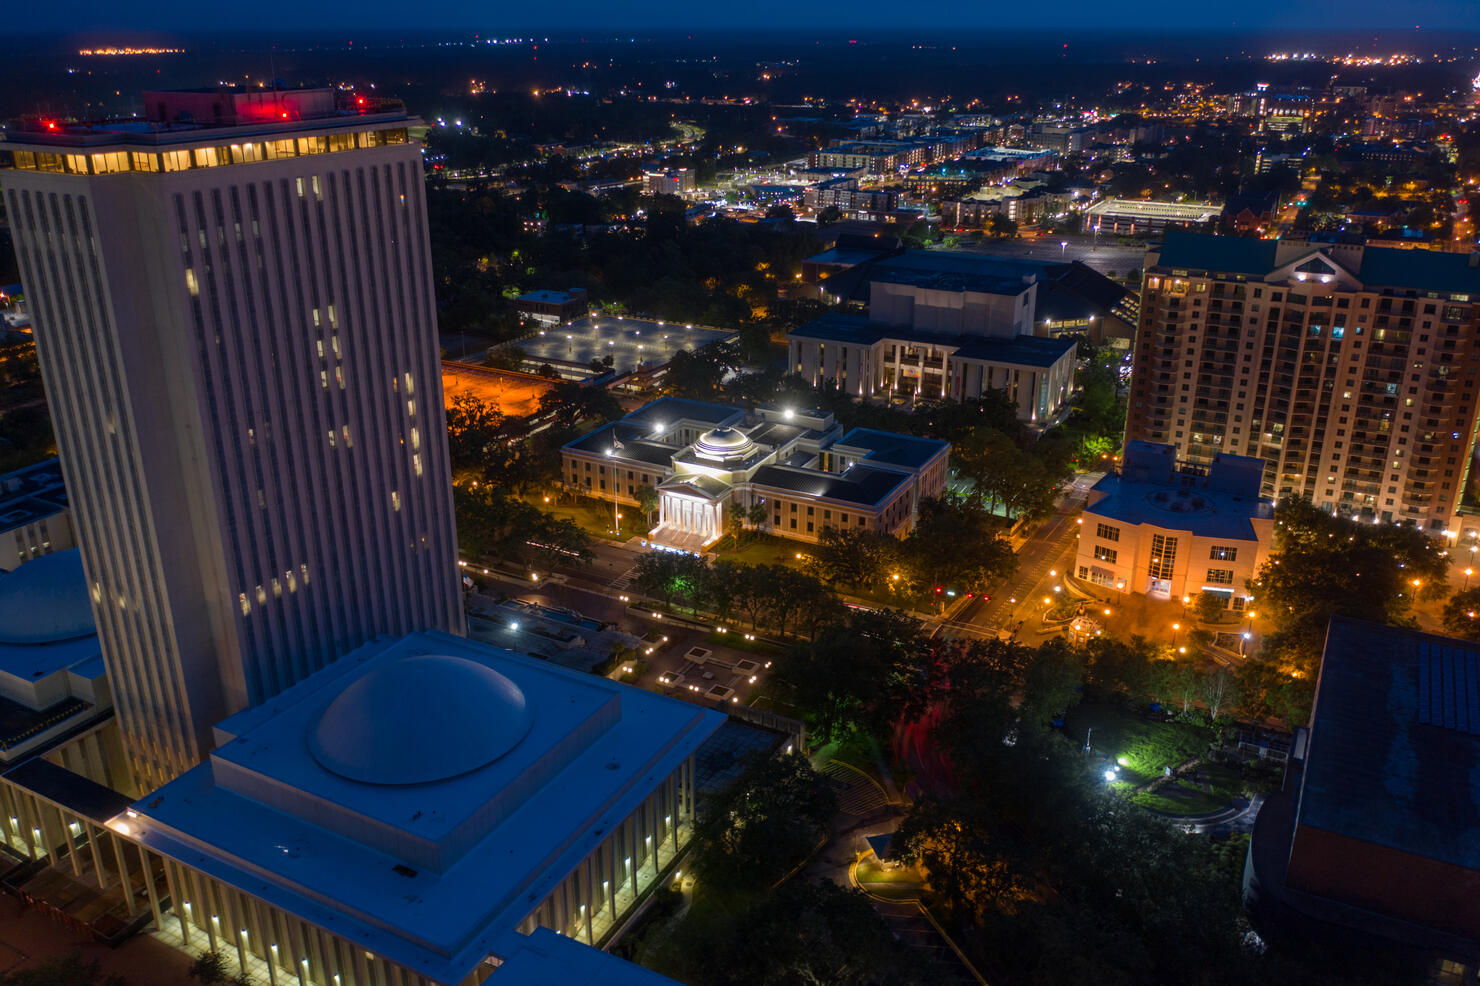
(631,342)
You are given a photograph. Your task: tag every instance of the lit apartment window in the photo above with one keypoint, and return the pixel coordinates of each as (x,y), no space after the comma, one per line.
(1223,552)
(1107,533)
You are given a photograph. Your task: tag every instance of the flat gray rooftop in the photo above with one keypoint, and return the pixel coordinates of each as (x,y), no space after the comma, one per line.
(631,342)
(1394,756)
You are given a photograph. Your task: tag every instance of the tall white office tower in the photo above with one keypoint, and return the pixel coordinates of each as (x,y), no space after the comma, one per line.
(234,316)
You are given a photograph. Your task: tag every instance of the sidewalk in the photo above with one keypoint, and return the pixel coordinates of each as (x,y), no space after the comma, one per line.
(27,936)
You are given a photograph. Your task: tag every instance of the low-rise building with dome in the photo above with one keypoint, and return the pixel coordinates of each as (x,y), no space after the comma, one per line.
(54,694)
(1166,529)
(791,472)
(413,814)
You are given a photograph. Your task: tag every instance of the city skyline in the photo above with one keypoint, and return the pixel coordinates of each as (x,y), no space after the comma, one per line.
(865,503)
(1160,16)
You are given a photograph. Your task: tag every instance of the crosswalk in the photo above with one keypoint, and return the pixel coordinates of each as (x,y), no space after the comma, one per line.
(623,581)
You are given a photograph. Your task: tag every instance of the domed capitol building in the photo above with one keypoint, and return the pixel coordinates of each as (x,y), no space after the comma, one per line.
(795,469)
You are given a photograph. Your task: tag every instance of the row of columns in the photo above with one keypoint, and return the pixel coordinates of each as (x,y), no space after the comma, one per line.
(588,903)
(41,830)
(689,515)
(265,939)
(216,916)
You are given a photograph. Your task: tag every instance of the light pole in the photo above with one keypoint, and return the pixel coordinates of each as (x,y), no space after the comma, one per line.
(1468,573)
(1175,627)
(1063,248)
(616,517)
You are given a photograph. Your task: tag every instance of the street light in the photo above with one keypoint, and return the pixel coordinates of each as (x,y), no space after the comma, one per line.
(1175,627)
(1468,573)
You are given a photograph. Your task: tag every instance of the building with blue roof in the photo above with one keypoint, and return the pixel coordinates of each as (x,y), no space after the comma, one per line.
(1374,837)
(416,811)
(1342,365)
(35,516)
(54,694)
(711,463)
(1158,527)
(942,326)
(552,307)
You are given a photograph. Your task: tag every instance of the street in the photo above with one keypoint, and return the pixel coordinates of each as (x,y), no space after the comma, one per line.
(1050,549)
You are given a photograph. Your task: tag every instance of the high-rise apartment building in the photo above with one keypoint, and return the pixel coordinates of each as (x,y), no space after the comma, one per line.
(1350,369)
(234,316)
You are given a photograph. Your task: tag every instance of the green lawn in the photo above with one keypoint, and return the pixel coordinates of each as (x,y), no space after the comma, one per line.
(595,518)
(1142,746)
(1201,792)
(759,549)
(900,883)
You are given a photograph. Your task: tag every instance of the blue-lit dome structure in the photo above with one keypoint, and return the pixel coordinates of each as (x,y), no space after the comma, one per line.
(420,719)
(45,601)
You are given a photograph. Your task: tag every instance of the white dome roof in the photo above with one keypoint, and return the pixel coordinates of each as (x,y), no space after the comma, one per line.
(724,442)
(420,719)
(45,601)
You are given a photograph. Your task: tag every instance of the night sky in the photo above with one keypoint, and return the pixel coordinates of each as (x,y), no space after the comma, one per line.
(781,16)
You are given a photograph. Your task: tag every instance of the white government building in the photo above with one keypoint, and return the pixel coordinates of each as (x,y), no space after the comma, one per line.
(941,326)
(710,461)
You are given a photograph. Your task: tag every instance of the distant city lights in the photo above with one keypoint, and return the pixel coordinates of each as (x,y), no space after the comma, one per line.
(130,51)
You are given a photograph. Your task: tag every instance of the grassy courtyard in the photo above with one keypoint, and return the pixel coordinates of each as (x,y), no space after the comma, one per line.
(1140,744)
(594,517)
(1209,788)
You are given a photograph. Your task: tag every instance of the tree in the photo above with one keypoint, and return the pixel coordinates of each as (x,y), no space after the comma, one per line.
(1462,614)
(570,401)
(1018,481)
(493,525)
(1211,606)
(765,824)
(954,545)
(790,593)
(209,968)
(697,374)
(858,673)
(855,556)
(1219,690)
(829,215)
(670,575)
(508,357)
(1052,683)
(1382,569)
(1186,684)
(969,869)
(647,501)
(999,225)
(803,932)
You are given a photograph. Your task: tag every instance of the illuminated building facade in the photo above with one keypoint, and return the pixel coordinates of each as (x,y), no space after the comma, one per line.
(1351,370)
(234,317)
